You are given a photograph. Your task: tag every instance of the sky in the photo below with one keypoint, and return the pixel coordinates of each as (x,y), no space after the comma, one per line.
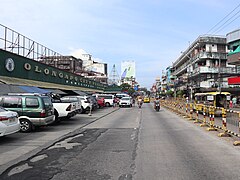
(153,33)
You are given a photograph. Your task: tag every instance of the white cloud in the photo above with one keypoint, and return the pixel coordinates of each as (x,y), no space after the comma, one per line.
(78,53)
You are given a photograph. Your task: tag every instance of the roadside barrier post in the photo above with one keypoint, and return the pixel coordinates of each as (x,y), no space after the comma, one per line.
(191,112)
(197,113)
(211,118)
(178,107)
(224,124)
(204,124)
(237,143)
(186,111)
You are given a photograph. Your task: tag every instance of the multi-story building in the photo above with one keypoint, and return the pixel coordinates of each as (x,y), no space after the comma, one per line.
(164,82)
(67,63)
(203,66)
(94,70)
(170,78)
(86,68)
(158,84)
(233,41)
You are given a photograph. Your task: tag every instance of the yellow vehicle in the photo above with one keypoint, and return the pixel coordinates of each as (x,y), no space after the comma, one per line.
(215,99)
(146,100)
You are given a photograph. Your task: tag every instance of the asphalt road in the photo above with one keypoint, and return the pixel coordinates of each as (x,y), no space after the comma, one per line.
(134,143)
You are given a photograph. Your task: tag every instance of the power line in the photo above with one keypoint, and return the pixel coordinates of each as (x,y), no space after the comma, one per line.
(222,26)
(223,19)
(228,23)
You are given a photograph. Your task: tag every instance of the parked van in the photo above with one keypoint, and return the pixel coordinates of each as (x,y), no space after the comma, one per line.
(107,97)
(33,110)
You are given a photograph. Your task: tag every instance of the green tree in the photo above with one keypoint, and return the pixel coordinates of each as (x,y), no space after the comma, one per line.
(169,93)
(180,93)
(127,88)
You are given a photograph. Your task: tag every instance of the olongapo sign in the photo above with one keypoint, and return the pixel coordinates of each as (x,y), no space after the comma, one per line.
(15,66)
(57,74)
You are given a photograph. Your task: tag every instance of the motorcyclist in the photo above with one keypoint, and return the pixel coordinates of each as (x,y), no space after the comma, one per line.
(139,101)
(156,101)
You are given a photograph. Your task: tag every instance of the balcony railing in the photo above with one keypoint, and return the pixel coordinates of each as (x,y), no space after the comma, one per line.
(214,70)
(211,55)
(201,55)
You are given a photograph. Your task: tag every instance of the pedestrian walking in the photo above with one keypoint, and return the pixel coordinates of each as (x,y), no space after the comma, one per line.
(133,101)
(230,104)
(115,101)
(234,101)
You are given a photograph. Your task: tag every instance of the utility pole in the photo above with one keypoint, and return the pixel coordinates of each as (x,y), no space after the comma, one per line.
(219,74)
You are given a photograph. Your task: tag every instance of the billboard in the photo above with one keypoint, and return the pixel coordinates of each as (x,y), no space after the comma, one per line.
(128,69)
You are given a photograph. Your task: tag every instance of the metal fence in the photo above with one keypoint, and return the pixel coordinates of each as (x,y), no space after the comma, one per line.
(213,117)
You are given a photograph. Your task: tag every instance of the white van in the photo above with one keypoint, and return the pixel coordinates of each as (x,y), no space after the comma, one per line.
(107,97)
(119,96)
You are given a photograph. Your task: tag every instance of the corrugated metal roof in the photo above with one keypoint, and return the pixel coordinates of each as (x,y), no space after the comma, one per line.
(5,89)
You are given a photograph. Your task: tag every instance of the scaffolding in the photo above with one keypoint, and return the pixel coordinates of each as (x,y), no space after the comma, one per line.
(19,44)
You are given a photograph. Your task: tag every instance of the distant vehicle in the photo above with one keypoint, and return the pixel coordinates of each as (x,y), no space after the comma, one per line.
(125,101)
(101,102)
(107,97)
(157,105)
(215,99)
(9,122)
(33,110)
(146,100)
(120,96)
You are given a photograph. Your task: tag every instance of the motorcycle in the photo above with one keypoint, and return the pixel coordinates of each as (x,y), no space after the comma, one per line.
(157,107)
(139,103)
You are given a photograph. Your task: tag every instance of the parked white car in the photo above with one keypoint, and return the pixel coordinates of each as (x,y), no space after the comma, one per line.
(86,103)
(76,102)
(9,122)
(62,110)
(125,101)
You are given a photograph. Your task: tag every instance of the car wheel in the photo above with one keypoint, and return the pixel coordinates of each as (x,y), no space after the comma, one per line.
(57,119)
(26,125)
(83,110)
(107,104)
